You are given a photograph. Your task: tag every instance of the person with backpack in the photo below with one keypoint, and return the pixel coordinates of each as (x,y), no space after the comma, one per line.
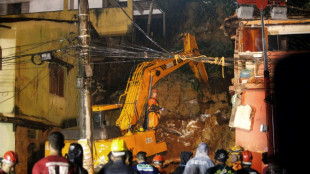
(221,156)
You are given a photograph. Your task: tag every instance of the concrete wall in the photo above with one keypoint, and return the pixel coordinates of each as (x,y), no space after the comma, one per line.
(32,98)
(35,100)
(7,74)
(106,21)
(29,149)
(7,136)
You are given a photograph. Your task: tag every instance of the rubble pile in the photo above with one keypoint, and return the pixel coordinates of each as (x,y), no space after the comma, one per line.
(191,115)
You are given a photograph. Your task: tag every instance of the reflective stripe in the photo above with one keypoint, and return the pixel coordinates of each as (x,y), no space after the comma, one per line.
(57,167)
(145,167)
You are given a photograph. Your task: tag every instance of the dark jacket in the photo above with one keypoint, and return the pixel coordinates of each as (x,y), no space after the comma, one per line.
(81,170)
(221,168)
(247,170)
(145,168)
(118,167)
(185,156)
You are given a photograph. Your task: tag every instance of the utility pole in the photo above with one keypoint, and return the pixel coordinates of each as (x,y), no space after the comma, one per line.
(269,108)
(85,74)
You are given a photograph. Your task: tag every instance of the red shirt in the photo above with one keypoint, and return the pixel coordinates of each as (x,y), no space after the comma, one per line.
(53,165)
(2,172)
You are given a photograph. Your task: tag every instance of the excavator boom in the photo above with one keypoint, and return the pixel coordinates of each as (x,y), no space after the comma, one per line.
(148,73)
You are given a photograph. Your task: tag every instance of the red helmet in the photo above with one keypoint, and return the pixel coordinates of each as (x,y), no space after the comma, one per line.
(155,90)
(159,158)
(246,157)
(10,157)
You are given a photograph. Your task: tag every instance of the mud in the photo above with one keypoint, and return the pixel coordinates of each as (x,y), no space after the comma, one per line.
(192,114)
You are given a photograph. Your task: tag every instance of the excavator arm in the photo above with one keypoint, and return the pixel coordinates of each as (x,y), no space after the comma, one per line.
(148,73)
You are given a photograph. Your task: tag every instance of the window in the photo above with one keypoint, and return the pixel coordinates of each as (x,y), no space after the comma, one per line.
(15,8)
(56,74)
(32,134)
(293,42)
(113,3)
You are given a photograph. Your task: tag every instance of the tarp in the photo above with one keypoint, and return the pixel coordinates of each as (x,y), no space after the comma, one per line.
(243,118)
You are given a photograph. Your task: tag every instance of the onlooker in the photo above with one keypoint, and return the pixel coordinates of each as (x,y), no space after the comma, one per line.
(184,156)
(129,158)
(143,167)
(201,162)
(247,163)
(158,162)
(106,165)
(9,161)
(221,156)
(75,156)
(118,148)
(55,162)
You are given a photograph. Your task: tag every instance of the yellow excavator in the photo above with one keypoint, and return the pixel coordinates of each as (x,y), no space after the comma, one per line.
(129,124)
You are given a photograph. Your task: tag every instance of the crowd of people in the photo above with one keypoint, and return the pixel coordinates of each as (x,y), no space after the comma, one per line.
(121,160)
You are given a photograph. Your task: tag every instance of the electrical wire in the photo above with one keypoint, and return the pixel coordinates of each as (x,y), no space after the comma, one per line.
(137,26)
(23,88)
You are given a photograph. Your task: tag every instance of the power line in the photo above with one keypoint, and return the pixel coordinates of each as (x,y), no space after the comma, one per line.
(137,26)
(23,88)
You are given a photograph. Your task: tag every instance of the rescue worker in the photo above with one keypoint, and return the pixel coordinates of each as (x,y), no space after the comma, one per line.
(108,164)
(247,163)
(235,157)
(143,167)
(158,162)
(55,162)
(184,157)
(118,149)
(75,156)
(221,156)
(154,110)
(9,161)
(201,162)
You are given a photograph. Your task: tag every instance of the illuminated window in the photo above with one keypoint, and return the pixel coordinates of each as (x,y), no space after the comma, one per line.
(56,75)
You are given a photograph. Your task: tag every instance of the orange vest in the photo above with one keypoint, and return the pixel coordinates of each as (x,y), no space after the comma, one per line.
(153,115)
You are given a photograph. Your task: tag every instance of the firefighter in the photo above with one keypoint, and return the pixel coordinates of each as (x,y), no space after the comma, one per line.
(9,161)
(75,156)
(246,158)
(158,162)
(118,149)
(235,157)
(154,110)
(221,155)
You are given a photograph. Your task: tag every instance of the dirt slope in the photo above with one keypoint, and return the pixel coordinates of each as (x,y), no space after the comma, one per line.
(192,114)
